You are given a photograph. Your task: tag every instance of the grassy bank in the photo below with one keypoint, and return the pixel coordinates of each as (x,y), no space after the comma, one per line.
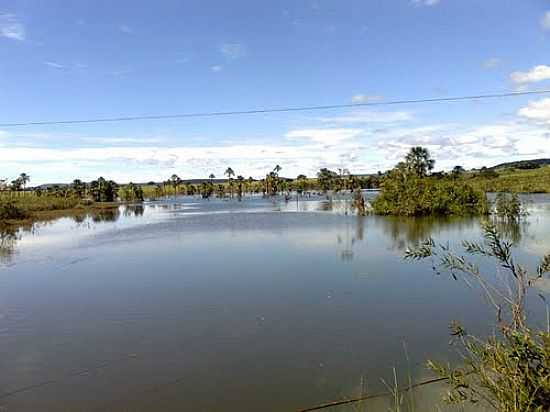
(513,180)
(16,208)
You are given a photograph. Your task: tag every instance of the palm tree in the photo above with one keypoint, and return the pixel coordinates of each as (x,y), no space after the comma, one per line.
(241,181)
(25,178)
(275,175)
(419,161)
(230,173)
(78,187)
(175,180)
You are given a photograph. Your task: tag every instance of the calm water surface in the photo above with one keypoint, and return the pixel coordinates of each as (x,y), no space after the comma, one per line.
(193,305)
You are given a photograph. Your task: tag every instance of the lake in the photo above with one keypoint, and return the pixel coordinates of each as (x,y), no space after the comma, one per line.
(195,305)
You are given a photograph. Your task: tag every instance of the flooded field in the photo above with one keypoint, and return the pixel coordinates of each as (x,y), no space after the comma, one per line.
(196,305)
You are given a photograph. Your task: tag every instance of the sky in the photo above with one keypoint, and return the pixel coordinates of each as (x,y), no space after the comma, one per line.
(87,59)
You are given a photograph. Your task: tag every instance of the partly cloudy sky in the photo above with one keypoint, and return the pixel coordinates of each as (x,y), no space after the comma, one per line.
(100,59)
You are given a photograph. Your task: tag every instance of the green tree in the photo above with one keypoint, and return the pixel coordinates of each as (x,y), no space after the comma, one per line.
(78,188)
(230,173)
(301,182)
(326,178)
(457,171)
(240,180)
(24,178)
(16,184)
(419,161)
(175,182)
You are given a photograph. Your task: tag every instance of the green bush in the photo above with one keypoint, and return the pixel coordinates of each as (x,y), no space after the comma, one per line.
(10,210)
(406,194)
(509,371)
(508,207)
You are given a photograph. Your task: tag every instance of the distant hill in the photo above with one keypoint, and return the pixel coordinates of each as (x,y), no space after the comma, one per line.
(522,164)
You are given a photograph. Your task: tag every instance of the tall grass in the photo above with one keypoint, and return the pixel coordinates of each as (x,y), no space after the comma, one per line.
(31,202)
(514,180)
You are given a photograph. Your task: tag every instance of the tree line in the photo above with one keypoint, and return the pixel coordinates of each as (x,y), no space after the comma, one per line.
(417,163)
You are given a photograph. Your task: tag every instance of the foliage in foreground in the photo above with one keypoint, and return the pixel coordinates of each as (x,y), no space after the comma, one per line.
(510,371)
(406,194)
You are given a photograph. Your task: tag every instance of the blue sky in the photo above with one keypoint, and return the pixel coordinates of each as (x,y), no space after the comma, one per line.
(89,59)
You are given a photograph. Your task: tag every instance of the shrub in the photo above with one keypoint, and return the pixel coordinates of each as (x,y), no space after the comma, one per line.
(508,372)
(406,194)
(508,207)
(10,210)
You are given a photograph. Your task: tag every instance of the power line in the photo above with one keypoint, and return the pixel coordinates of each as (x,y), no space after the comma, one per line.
(277,110)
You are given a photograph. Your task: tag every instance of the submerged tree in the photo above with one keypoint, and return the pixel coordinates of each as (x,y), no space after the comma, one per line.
(230,173)
(240,180)
(131,192)
(326,179)
(175,181)
(103,190)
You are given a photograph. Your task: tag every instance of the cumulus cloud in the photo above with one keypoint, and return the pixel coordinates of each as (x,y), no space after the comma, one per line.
(11,27)
(325,136)
(363,98)
(537,110)
(469,146)
(426,3)
(545,21)
(233,51)
(536,74)
(125,163)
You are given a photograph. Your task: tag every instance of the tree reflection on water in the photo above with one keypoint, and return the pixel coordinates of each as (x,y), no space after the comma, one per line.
(8,242)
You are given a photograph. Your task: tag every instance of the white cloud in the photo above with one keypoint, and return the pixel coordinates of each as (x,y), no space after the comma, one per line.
(537,110)
(491,63)
(325,136)
(117,141)
(363,98)
(536,74)
(364,116)
(11,28)
(53,65)
(427,3)
(304,150)
(545,21)
(233,51)
(125,29)
(128,163)
(470,146)
(216,68)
